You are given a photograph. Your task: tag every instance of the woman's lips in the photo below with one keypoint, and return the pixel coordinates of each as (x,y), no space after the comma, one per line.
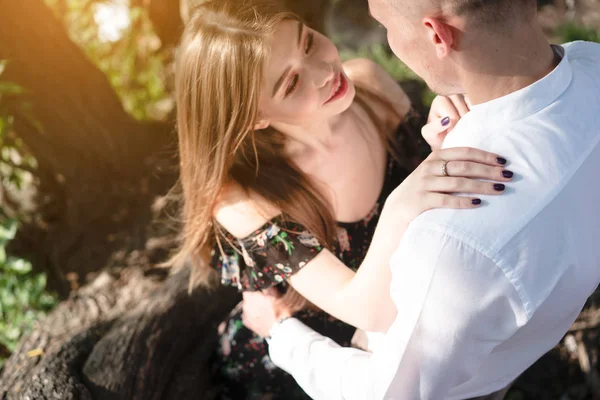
(340,88)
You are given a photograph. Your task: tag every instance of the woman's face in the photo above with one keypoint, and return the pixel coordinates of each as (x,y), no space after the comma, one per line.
(304,80)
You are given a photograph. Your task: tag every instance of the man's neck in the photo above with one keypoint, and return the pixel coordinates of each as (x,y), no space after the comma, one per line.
(507,66)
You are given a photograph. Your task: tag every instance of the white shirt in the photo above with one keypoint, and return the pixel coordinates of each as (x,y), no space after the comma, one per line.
(482,294)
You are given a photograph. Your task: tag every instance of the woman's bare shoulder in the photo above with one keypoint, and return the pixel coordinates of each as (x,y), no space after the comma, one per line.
(370,75)
(242,212)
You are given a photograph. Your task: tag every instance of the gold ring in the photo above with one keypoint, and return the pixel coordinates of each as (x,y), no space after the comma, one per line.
(444,171)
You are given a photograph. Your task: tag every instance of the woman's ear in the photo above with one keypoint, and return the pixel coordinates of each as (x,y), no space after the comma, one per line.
(261,124)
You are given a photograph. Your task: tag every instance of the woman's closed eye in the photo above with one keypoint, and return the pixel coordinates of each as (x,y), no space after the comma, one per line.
(309,45)
(309,42)
(292,86)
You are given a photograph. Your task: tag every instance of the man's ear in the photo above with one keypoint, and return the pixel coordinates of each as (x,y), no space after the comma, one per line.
(441,35)
(261,124)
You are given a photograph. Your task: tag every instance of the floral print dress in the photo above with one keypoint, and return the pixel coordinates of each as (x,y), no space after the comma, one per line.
(268,257)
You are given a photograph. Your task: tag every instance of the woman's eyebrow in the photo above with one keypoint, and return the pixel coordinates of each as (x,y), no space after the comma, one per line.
(287,71)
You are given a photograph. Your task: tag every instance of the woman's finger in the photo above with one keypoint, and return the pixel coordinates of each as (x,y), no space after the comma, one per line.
(463,185)
(468,101)
(437,129)
(442,108)
(469,169)
(458,100)
(468,154)
(438,200)
(436,126)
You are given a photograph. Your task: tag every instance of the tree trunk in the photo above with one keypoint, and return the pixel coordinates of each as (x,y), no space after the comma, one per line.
(97,166)
(127,338)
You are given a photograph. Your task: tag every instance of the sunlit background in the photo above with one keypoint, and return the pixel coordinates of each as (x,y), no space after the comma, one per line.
(112,19)
(87,156)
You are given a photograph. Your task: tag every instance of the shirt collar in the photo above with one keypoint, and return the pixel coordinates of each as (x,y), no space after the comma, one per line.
(527,101)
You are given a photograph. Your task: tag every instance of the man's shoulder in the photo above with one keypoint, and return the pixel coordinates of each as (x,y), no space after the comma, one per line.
(581,50)
(489,228)
(470,229)
(581,46)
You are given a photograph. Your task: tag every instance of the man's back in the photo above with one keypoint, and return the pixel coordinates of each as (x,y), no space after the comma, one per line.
(543,233)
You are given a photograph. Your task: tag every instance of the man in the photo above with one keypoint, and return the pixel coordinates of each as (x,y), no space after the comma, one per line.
(481,295)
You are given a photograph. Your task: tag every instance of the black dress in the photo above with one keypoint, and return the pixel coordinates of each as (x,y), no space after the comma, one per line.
(267,258)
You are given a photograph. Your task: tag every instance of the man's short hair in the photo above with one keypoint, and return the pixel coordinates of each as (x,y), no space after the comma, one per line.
(490,12)
(488,8)
(480,12)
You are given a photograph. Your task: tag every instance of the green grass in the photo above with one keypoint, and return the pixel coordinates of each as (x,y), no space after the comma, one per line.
(570,32)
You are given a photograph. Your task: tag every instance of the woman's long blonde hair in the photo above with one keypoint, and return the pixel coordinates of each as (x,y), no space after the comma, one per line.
(219,76)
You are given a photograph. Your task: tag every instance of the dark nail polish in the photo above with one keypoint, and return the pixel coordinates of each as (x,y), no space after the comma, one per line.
(446,121)
(476,202)
(499,187)
(501,160)
(507,174)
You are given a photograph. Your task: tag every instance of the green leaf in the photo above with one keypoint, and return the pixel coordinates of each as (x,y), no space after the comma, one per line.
(47,301)
(2,255)
(8,229)
(22,296)
(18,265)
(13,333)
(10,88)
(8,299)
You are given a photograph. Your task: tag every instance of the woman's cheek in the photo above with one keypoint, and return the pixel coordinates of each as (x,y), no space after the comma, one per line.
(306,103)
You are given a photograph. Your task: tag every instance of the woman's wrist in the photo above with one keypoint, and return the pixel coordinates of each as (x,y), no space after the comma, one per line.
(395,213)
(276,326)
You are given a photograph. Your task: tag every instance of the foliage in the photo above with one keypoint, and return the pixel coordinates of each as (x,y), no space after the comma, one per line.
(570,32)
(23,299)
(132,59)
(16,164)
(384,57)
(22,296)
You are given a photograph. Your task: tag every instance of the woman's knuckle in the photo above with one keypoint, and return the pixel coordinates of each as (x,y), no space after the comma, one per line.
(455,185)
(470,152)
(446,201)
(461,168)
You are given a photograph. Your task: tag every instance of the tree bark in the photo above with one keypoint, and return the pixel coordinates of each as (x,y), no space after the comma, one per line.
(166,19)
(98,168)
(132,337)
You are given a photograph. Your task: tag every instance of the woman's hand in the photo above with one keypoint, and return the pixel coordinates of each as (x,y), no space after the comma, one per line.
(444,114)
(261,309)
(455,170)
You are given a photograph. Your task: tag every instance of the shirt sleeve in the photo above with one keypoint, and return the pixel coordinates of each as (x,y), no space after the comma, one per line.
(455,305)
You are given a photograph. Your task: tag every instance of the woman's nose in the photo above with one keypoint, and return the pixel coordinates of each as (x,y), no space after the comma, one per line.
(325,75)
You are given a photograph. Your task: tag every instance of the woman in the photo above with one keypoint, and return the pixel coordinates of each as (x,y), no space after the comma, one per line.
(287,159)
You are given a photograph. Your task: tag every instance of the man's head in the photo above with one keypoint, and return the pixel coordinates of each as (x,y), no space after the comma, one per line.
(435,37)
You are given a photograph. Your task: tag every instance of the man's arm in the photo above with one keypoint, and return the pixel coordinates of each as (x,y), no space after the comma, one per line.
(455,305)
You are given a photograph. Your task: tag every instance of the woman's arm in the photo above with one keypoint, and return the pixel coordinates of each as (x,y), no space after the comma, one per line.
(363,299)
(360,299)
